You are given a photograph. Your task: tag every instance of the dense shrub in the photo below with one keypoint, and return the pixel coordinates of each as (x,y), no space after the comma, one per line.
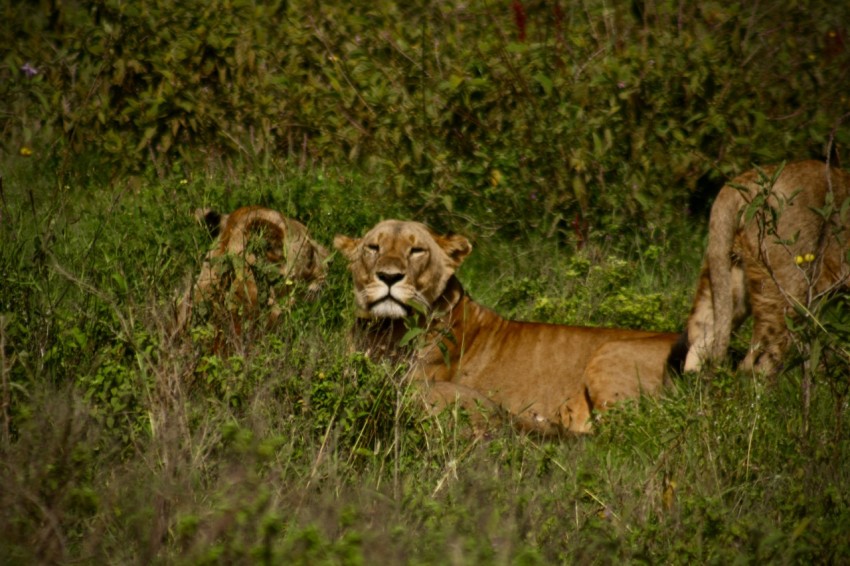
(558,115)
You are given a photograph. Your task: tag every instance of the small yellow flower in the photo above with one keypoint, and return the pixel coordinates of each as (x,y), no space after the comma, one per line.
(26,151)
(495,177)
(799,260)
(809,257)
(184,181)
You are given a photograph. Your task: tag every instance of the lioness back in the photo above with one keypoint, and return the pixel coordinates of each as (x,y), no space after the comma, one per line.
(248,242)
(755,265)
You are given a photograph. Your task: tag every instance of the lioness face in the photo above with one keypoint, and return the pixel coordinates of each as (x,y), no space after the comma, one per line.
(399,264)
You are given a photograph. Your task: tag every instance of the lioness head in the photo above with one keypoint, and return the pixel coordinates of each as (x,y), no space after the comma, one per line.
(399,264)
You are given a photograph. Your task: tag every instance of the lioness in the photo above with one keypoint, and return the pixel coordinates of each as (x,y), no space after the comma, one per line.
(249,241)
(548,377)
(765,265)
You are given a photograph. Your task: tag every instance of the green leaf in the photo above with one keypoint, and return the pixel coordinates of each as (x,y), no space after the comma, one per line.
(544,82)
(411,335)
(120,281)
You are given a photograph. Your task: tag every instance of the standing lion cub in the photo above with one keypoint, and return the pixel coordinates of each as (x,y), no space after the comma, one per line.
(548,377)
(258,257)
(768,249)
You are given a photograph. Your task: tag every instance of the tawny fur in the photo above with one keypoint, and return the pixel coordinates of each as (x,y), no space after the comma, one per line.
(747,271)
(548,378)
(286,245)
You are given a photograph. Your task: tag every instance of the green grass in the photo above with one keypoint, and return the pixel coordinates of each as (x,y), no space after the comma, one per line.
(123,445)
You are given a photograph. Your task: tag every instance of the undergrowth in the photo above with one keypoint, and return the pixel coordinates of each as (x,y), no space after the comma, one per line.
(125,443)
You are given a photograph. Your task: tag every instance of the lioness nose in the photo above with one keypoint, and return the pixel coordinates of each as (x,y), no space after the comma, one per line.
(390,278)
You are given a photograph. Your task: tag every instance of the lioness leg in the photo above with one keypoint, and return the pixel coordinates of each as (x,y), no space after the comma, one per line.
(770,337)
(626,369)
(700,327)
(575,416)
(706,339)
(441,395)
(484,413)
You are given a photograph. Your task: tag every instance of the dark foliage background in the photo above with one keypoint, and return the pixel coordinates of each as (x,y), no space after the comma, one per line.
(550,115)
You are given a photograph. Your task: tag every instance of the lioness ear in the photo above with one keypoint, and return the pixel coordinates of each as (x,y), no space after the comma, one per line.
(456,247)
(212,219)
(346,245)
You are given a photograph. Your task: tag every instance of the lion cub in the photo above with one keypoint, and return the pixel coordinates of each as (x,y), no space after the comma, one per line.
(258,257)
(766,262)
(547,377)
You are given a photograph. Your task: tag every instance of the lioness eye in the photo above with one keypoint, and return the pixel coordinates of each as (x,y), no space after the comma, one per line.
(373,248)
(417,251)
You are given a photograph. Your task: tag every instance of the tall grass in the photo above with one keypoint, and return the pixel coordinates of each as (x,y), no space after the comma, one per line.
(124,444)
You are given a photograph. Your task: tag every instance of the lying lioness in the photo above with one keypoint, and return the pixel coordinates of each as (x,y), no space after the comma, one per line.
(252,244)
(548,377)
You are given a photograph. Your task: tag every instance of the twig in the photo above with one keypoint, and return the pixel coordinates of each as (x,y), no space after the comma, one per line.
(750,446)
(336,60)
(7,396)
(5,211)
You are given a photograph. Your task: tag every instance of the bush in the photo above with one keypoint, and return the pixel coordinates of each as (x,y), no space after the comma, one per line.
(541,116)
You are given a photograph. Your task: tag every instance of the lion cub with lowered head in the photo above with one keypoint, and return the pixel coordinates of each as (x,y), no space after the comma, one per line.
(248,242)
(548,377)
(766,266)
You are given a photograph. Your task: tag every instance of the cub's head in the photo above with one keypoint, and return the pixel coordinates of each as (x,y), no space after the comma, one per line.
(397,264)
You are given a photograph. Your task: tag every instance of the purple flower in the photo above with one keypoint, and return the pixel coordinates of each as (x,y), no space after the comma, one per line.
(29,70)
(621,84)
